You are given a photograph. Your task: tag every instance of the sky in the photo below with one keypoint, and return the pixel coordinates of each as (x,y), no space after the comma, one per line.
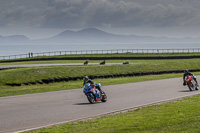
(45,18)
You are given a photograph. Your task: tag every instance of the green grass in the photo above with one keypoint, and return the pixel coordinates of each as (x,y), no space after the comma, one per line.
(112,55)
(67,61)
(33,74)
(22,75)
(11,91)
(180,116)
(125,55)
(177,116)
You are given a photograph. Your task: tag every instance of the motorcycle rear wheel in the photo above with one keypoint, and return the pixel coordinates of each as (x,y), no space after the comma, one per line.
(91,99)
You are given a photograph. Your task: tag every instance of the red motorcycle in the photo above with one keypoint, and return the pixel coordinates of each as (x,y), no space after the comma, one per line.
(191,83)
(103,62)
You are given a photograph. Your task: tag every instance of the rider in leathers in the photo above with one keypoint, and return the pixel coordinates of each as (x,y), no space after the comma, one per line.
(187,73)
(87,80)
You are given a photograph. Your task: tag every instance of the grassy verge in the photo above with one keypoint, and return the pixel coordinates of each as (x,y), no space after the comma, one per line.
(67,61)
(123,55)
(11,91)
(22,75)
(111,55)
(177,116)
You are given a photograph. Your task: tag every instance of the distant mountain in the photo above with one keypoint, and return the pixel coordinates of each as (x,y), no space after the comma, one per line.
(92,32)
(85,35)
(14,39)
(93,35)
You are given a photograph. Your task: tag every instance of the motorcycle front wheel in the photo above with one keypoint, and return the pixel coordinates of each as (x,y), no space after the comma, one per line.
(104,97)
(191,87)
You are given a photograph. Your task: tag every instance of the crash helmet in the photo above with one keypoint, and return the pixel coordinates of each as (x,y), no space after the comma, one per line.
(186,71)
(85,78)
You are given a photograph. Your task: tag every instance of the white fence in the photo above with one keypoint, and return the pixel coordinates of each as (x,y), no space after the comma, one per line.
(81,52)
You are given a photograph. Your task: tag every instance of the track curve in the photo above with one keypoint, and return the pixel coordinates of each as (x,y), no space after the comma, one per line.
(59,64)
(25,112)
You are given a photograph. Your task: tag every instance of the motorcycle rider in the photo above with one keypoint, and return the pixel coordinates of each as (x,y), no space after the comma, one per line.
(103,62)
(86,62)
(87,80)
(187,73)
(126,62)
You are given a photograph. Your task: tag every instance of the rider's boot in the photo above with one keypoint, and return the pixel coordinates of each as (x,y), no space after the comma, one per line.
(197,86)
(99,88)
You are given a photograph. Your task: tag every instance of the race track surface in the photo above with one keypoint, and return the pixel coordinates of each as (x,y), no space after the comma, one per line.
(25,112)
(60,64)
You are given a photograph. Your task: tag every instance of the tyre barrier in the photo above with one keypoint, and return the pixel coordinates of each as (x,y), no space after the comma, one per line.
(39,82)
(46,81)
(67,79)
(14,84)
(7,68)
(26,83)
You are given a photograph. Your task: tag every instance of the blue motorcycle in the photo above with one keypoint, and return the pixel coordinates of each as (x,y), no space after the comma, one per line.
(93,94)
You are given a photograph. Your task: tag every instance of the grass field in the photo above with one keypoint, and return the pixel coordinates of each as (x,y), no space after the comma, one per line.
(176,116)
(11,91)
(22,75)
(109,55)
(180,116)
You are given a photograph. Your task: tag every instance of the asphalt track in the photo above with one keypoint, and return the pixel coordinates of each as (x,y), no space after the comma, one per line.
(32,111)
(61,64)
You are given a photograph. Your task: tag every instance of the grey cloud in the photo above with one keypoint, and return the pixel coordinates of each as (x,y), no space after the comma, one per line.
(64,14)
(98,13)
(20,14)
(120,13)
(171,15)
(89,13)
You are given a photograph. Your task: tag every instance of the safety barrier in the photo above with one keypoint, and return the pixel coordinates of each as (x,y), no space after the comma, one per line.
(81,52)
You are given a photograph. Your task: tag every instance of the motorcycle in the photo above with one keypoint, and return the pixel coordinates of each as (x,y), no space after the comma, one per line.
(93,94)
(102,63)
(85,63)
(126,62)
(191,83)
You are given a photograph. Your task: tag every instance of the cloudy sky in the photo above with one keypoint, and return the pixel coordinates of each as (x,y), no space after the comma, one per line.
(45,18)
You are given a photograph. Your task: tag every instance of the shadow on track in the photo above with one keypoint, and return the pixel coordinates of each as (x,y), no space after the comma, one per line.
(86,103)
(185,91)
(82,104)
